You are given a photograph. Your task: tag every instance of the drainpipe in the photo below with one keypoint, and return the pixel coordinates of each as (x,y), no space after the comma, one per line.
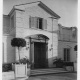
(52,37)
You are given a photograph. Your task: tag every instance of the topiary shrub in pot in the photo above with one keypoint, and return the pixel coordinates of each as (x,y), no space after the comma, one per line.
(20,67)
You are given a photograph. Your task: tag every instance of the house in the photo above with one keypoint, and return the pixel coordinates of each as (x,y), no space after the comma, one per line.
(38,25)
(67,40)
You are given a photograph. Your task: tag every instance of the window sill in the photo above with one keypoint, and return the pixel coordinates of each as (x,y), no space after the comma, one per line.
(38,29)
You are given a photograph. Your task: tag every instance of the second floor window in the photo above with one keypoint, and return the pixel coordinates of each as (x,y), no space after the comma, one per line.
(39,23)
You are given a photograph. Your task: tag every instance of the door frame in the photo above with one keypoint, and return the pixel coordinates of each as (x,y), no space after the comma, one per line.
(66,54)
(32,52)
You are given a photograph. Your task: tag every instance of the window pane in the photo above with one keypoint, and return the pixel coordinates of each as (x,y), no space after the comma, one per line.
(68,54)
(64,54)
(40,23)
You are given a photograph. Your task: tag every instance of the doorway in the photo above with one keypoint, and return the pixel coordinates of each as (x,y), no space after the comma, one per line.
(40,55)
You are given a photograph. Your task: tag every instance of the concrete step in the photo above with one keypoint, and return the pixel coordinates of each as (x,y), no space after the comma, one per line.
(48,71)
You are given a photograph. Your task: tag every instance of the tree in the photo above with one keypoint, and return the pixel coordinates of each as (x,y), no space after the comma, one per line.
(18,42)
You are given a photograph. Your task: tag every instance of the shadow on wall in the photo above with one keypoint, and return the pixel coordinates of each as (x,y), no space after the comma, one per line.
(50,61)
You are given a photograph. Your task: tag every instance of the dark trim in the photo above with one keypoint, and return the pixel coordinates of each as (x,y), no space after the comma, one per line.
(48,10)
(5,15)
(68,41)
(27,3)
(14,10)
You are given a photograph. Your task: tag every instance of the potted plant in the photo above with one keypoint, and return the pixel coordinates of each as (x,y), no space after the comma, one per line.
(19,67)
(58,62)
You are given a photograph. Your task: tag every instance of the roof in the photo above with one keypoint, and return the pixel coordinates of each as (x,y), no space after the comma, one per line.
(42,5)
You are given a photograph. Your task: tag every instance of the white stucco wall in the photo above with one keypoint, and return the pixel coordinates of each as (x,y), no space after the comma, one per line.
(66,40)
(9,51)
(23,30)
(62,45)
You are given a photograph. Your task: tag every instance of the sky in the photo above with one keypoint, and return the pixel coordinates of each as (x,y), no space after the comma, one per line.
(66,9)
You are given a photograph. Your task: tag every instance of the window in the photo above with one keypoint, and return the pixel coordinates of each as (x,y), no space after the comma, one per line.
(37,22)
(12,22)
(66,54)
(40,23)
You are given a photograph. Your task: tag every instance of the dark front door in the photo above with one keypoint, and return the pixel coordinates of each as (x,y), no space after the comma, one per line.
(39,55)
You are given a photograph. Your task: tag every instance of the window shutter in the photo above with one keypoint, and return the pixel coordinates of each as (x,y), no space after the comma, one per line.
(44,24)
(33,22)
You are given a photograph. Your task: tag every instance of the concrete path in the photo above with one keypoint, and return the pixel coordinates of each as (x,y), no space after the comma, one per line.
(62,76)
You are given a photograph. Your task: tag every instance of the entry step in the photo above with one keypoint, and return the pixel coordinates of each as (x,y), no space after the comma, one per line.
(48,71)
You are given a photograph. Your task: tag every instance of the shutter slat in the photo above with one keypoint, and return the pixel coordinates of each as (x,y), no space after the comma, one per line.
(33,22)
(44,24)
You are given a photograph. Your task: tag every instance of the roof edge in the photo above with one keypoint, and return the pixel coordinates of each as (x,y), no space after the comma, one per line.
(42,5)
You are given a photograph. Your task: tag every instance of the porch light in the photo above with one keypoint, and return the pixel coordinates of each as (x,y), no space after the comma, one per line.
(51,47)
(27,45)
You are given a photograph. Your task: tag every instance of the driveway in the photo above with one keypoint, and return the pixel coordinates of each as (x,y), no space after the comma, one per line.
(61,76)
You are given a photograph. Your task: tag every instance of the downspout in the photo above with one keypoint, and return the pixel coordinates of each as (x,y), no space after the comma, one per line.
(52,37)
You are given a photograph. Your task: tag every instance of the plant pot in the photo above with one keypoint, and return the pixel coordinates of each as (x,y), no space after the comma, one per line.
(28,72)
(20,70)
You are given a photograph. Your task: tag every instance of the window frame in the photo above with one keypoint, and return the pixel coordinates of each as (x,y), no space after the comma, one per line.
(38,24)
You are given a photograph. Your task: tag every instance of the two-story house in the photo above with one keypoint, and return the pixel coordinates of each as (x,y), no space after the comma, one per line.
(38,25)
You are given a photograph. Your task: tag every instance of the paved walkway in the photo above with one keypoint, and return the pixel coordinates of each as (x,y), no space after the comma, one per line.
(62,76)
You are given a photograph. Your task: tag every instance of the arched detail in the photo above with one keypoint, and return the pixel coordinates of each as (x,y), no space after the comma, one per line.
(38,36)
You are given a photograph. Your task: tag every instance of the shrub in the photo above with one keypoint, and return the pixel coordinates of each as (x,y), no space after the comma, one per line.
(18,42)
(6,67)
(58,62)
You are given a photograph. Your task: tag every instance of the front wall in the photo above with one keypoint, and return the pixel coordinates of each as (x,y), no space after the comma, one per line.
(23,30)
(22,17)
(62,45)
(66,40)
(8,50)
(27,32)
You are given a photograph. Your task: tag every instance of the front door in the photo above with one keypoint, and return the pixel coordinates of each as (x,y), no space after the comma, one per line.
(39,55)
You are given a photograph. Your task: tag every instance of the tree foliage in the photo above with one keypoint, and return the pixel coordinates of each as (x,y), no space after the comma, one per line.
(18,42)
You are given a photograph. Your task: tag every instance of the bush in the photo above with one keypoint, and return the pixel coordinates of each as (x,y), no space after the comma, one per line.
(6,67)
(58,62)
(68,63)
